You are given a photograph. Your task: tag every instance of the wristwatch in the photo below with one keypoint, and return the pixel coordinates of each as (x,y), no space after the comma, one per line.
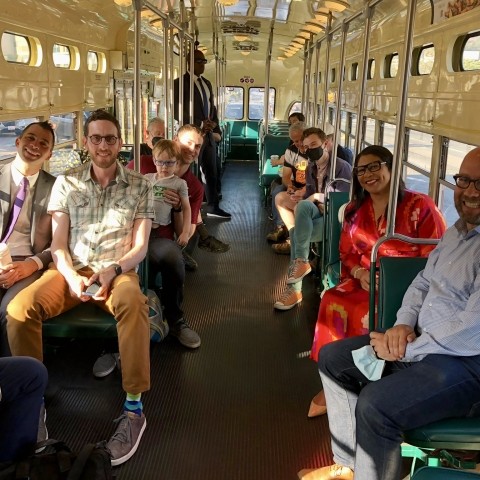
(118,269)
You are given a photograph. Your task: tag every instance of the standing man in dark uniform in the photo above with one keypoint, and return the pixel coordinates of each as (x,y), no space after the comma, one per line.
(205,118)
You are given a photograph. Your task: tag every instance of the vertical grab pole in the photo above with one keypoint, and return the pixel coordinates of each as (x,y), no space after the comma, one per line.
(266,94)
(405,70)
(315,86)
(333,165)
(304,82)
(359,133)
(398,148)
(308,78)
(328,36)
(181,71)
(137,86)
(166,76)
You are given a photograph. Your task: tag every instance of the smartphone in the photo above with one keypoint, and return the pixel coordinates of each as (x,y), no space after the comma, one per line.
(92,289)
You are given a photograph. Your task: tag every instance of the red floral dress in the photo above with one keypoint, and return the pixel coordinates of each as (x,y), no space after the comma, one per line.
(343,309)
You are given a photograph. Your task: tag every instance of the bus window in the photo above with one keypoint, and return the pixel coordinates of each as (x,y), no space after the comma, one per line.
(64,127)
(455,155)
(351,137)
(296,107)
(388,135)
(256,103)
(15,48)
(234,103)
(418,161)
(92,61)
(369,132)
(391,65)
(471,52)
(354,71)
(426,59)
(66,56)
(9,131)
(371,68)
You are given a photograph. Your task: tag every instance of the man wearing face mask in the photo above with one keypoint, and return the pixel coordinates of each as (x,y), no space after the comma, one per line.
(309,212)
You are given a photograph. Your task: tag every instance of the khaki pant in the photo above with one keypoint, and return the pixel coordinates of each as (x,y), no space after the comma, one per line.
(50,296)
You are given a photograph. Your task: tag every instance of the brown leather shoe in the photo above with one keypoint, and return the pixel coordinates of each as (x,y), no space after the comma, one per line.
(332,472)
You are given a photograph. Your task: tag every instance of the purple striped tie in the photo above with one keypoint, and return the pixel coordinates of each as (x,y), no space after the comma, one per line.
(17,207)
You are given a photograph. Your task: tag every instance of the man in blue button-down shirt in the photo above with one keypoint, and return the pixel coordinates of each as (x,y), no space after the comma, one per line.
(432,355)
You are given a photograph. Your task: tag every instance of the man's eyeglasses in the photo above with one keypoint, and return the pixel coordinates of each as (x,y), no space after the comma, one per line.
(165,163)
(464,182)
(371,167)
(201,60)
(97,139)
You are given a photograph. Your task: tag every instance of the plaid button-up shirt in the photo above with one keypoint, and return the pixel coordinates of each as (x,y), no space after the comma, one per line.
(101,219)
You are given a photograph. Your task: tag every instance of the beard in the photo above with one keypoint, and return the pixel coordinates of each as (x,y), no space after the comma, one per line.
(471,218)
(103,161)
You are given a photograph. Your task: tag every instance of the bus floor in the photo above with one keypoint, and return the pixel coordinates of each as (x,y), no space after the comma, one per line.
(234,409)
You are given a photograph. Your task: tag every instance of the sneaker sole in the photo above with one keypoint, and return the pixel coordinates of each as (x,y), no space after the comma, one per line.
(104,373)
(291,281)
(218,216)
(119,461)
(189,345)
(280,306)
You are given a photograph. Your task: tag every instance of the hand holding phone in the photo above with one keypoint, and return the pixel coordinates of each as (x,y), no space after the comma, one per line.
(92,289)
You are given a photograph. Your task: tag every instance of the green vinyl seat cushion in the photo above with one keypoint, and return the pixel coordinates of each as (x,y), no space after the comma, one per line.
(84,321)
(453,433)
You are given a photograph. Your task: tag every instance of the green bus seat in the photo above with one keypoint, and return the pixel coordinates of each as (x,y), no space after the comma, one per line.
(88,320)
(84,321)
(331,239)
(396,274)
(453,433)
(429,473)
(268,175)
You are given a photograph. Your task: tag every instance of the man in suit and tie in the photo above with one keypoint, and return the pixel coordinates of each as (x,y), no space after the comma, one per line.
(25,225)
(205,118)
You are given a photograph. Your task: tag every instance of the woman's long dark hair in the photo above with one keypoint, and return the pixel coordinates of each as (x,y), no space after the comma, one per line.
(358,193)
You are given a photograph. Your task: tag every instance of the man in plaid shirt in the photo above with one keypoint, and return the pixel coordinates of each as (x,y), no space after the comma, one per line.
(101,215)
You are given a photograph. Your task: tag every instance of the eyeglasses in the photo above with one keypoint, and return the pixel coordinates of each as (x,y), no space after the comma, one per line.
(201,60)
(165,163)
(464,182)
(371,167)
(97,139)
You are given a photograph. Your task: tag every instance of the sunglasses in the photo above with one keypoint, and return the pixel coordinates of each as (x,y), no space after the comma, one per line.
(201,60)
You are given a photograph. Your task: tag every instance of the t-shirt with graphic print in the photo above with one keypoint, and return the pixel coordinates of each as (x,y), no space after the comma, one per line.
(163,209)
(298,162)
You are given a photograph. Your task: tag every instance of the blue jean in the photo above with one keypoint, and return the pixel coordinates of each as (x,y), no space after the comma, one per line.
(277,219)
(165,256)
(367,418)
(308,228)
(23,381)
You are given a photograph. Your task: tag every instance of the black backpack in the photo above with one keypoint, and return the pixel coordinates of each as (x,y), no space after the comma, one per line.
(57,462)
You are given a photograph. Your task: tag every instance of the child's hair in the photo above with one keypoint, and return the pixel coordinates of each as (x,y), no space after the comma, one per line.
(172,149)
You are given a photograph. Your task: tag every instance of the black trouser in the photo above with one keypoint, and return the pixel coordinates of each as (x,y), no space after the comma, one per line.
(208,164)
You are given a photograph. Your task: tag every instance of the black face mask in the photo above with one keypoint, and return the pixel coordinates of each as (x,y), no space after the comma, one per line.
(315,154)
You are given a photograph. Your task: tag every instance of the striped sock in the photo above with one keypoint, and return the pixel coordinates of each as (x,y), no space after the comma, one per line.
(133,404)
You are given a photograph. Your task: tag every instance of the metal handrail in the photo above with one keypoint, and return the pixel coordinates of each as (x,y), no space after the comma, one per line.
(373,266)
